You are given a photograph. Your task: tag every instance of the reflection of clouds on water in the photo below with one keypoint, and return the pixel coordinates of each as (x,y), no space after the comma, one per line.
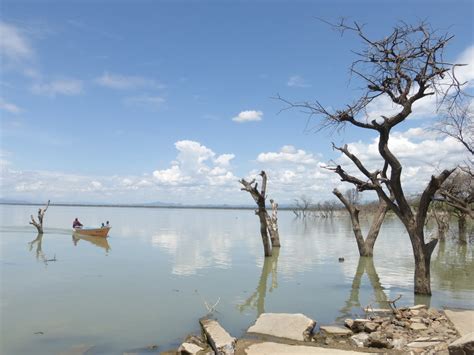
(201,243)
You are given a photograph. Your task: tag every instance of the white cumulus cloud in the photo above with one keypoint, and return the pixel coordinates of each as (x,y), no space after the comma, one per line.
(248,116)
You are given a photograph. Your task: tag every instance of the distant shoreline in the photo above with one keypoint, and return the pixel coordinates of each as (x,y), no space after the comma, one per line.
(136,206)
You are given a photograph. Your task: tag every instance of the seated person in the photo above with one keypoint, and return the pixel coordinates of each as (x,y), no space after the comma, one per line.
(76,224)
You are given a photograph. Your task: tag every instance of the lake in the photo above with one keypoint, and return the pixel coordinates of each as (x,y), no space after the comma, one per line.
(149,282)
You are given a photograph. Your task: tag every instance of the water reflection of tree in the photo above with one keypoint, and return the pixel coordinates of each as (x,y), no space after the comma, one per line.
(453,266)
(40,256)
(257,299)
(365,266)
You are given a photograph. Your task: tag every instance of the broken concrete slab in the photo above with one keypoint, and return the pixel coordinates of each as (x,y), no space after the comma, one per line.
(268,348)
(422,344)
(463,320)
(463,345)
(189,348)
(418,307)
(221,341)
(284,325)
(333,330)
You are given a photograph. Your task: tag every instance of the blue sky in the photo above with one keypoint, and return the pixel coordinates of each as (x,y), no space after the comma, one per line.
(138,101)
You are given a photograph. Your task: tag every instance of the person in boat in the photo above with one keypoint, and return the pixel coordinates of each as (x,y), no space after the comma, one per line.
(107,224)
(103,225)
(76,224)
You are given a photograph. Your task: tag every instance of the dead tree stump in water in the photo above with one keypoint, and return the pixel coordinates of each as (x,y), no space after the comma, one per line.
(268,225)
(39,224)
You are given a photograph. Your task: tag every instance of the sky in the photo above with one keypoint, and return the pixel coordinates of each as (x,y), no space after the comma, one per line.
(141,101)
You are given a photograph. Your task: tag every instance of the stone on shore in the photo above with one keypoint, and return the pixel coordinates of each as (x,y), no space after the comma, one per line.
(332,330)
(221,341)
(359,339)
(418,307)
(462,346)
(418,326)
(463,320)
(359,324)
(269,348)
(284,325)
(189,348)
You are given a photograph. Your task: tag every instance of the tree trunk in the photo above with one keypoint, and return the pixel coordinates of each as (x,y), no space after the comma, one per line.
(273,225)
(375,229)
(366,247)
(422,253)
(462,228)
(263,231)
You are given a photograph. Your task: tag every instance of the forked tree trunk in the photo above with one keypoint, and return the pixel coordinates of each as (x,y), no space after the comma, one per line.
(365,246)
(422,253)
(259,198)
(462,228)
(39,224)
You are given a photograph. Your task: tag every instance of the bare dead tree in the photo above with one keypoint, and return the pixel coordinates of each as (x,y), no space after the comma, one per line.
(458,193)
(302,206)
(458,123)
(39,224)
(366,246)
(441,216)
(266,222)
(404,67)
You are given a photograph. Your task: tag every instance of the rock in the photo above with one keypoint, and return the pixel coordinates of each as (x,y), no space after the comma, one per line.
(416,320)
(418,307)
(331,330)
(284,325)
(370,327)
(282,349)
(462,346)
(349,323)
(189,348)
(418,326)
(422,344)
(399,343)
(341,259)
(359,339)
(218,338)
(377,340)
(358,325)
(377,310)
(415,313)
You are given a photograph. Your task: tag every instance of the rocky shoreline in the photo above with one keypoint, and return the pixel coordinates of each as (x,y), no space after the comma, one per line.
(405,330)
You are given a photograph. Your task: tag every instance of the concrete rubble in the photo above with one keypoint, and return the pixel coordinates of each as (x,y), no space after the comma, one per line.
(284,325)
(410,330)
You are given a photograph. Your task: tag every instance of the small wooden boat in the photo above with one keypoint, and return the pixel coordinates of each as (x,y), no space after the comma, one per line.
(95,232)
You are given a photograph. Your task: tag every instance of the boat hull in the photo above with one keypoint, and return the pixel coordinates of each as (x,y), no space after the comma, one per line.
(95,232)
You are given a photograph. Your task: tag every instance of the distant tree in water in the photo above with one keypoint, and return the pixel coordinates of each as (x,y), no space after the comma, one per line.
(403,67)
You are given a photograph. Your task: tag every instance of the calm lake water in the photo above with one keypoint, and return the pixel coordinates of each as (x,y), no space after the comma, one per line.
(149,281)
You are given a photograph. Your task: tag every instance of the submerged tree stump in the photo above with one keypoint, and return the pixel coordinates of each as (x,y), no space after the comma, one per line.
(39,224)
